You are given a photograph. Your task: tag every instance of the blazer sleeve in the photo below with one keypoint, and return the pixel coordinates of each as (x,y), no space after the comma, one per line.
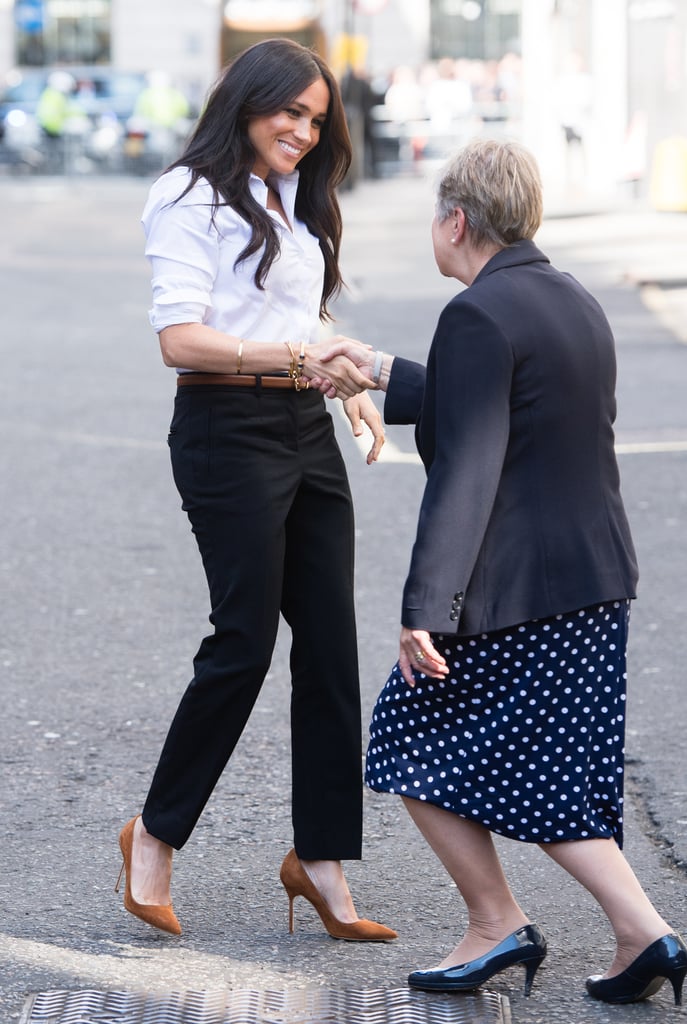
(465,421)
(404,391)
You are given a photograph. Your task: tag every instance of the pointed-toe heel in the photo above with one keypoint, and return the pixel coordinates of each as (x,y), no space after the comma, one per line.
(162,917)
(664,960)
(526,946)
(297,882)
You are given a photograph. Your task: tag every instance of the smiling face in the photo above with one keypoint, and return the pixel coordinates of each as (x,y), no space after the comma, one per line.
(281,140)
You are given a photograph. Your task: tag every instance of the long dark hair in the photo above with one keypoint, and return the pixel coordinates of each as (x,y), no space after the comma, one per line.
(260,82)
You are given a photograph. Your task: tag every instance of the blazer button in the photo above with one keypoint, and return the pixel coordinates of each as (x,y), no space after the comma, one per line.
(453,615)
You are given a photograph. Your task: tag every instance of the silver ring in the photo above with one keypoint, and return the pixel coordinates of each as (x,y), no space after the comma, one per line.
(419,656)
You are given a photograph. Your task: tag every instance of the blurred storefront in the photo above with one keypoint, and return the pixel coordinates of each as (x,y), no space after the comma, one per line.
(467,29)
(245,22)
(657,100)
(174,36)
(593,86)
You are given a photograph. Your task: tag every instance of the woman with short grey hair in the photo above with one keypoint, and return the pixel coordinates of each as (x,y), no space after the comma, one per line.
(505,712)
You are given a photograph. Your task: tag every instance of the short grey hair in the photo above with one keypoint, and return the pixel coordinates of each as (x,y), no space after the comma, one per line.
(497,185)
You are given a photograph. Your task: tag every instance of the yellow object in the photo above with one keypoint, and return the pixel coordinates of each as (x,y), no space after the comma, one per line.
(52,110)
(162,105)
(349,51)
(668,186)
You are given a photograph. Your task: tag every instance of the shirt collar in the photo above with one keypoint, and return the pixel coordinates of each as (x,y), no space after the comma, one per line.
(285,184)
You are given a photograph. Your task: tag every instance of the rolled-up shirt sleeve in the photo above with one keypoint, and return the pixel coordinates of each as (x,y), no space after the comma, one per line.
(182,245)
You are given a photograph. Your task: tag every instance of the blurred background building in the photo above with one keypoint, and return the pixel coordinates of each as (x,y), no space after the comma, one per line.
(595,87)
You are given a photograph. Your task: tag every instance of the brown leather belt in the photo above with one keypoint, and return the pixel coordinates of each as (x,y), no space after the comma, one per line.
(241,380)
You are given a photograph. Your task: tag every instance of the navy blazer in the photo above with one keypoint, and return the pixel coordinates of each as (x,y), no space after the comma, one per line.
(521,516)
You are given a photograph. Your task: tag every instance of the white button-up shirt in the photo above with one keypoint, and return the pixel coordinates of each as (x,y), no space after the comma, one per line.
(193,272)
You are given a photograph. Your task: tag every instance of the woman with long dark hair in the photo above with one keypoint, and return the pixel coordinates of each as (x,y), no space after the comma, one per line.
(243,235)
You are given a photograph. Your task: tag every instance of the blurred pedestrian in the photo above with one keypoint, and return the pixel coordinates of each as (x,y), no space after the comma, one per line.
(160,102)
(60,116)
(54,103)
(405,99)
(243,235)
(447,98)
(159,123)
(359,99)
(574,98)
(505,711)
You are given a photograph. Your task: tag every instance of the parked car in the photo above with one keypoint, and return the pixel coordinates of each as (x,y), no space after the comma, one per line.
(105,98)
(99,89)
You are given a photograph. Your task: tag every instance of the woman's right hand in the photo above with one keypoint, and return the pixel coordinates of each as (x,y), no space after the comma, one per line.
(330,367)
(374,364)
(418,654)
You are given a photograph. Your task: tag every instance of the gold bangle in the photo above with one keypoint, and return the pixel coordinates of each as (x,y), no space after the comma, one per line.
(292,365)
(239,354)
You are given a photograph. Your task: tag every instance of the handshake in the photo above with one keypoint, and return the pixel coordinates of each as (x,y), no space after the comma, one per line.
(342,367)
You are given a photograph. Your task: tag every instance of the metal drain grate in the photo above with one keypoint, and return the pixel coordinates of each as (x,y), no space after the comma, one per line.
(309,1006)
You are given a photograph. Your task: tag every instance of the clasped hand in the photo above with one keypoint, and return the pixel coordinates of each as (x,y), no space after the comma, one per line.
(332,368)
(340,367)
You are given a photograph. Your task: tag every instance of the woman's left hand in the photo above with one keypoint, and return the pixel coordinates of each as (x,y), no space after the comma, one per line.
(418,653)
(361,409)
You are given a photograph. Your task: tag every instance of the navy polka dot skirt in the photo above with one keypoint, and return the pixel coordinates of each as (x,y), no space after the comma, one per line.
(525,735)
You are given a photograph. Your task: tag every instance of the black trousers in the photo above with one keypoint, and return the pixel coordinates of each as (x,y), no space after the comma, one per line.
(264,485)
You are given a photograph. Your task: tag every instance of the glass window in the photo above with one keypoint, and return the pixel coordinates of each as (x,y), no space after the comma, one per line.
(62,31)
(483,30)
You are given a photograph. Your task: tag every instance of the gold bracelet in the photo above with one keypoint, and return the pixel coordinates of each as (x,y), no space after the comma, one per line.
(301,360)
(239,354)
(292,365)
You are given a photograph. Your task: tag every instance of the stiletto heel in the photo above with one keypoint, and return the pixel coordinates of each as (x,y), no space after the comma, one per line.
(160,917)
(297,882)
(664,960)
(531,968)
(526,946)
(118,883)
(677,980)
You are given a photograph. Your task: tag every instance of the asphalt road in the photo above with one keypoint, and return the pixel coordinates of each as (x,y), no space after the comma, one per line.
(103,604)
